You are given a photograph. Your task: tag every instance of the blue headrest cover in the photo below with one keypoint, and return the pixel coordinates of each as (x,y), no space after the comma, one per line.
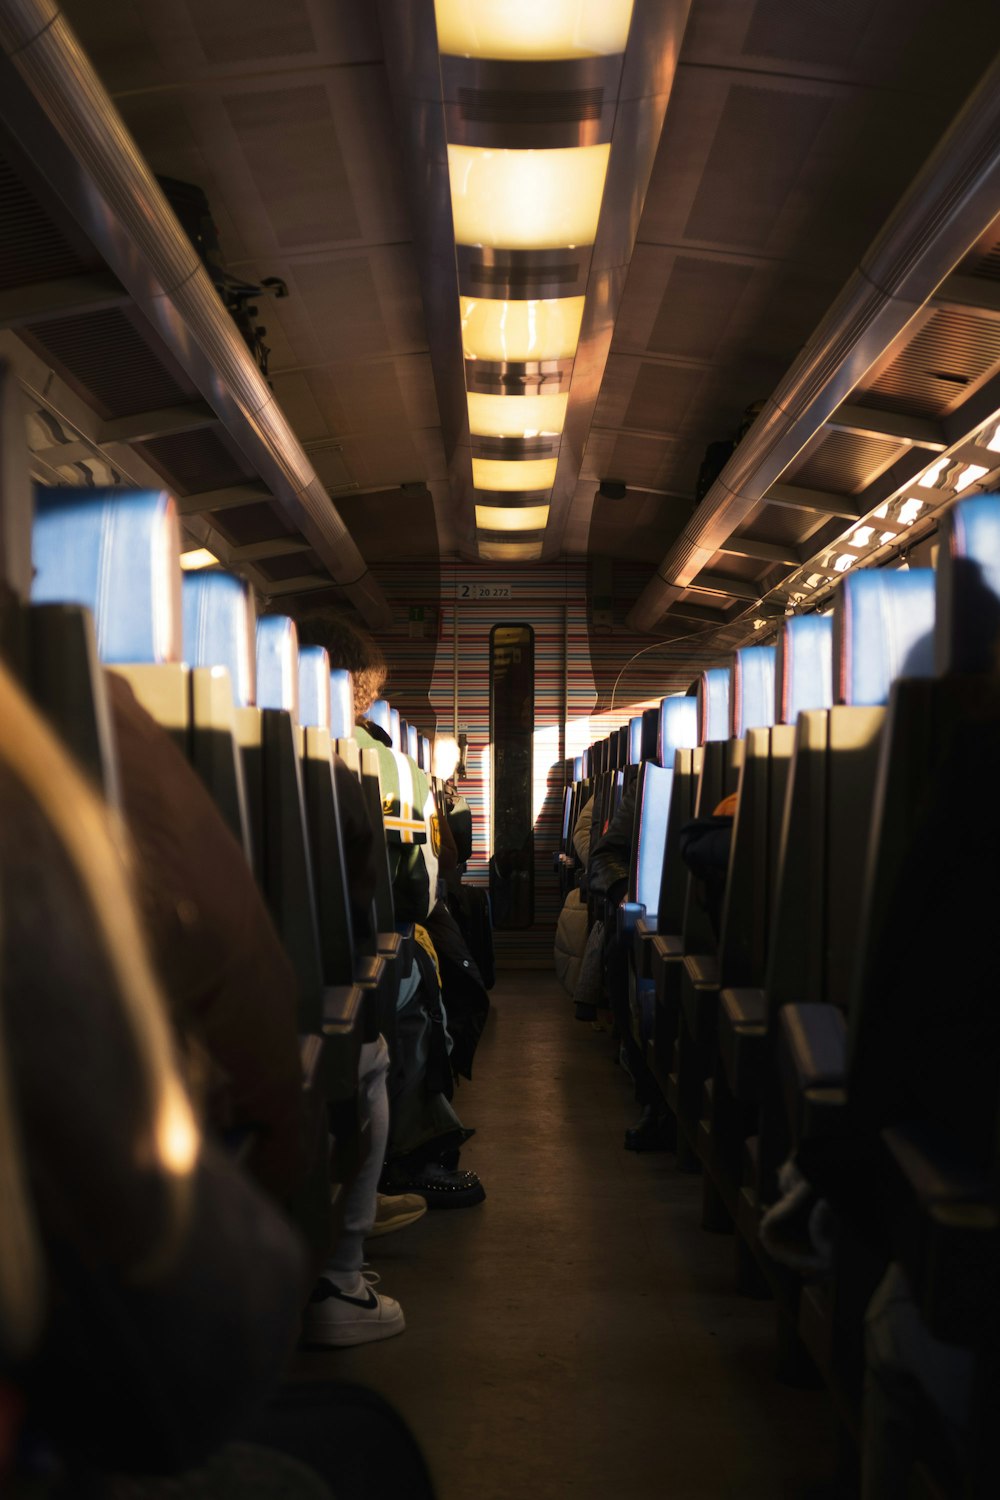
(395,729)
(578,768)
(342,704)
(381,714)
(413,742)
(118,553)
(426,754)
(314,687)
(219,629)
(678,729)
(751,689)
(883,628)
(635,740)
(652,811)
(967,629)
(803,676)
(713,705)
(278,664)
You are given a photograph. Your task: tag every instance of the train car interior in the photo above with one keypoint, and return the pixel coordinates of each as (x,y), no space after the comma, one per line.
(499,740)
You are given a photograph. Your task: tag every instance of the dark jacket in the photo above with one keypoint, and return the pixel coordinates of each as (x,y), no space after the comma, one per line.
(229,985)
(611,853)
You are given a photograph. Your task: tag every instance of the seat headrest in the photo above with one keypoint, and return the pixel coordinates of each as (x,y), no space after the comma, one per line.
(381,714)
(967,627)
(803,675)
(341,704)
(883,628)
(278,664)
(314,687)
(678,729)
(413,742)
(425,760)
(713,705)
(396,729)
(219,629)
(650,732)
(751,689)
(635,740)
(118,553)
(578,761)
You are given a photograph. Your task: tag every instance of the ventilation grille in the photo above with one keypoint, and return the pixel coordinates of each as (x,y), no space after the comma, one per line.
(295,565)
(31,247)
(194,461)
(846,463)
(933,373)
(109,363)
(781,524)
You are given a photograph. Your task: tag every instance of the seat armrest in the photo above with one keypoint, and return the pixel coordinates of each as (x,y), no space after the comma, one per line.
(944,1215)
(743,1041)
(812,1062)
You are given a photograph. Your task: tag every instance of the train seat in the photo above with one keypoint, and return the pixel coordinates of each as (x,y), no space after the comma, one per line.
(883,629)
(314,688)
(803,681)
(676,731)
(938,734)
(396,730)
(381,714)
(803,672)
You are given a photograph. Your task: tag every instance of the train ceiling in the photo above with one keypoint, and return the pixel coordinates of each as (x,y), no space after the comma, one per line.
(790,134)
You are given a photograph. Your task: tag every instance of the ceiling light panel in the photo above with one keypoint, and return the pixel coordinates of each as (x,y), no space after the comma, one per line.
(527,200)
(516,416)
(503,474)
(510,551)
(545,328)
(532,29)
(512,517)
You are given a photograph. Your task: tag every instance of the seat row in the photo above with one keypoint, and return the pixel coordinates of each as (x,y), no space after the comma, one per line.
(809,1021)
(262,721)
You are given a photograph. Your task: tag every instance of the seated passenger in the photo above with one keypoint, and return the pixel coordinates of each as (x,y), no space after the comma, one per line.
(425,1132)
(232,995)
(149,1292)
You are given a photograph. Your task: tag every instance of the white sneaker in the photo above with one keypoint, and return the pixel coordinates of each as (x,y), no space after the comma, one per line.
(337,1318)
(395,1211)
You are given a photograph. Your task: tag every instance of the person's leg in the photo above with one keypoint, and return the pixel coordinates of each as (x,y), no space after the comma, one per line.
(359,1212)
(345,1308)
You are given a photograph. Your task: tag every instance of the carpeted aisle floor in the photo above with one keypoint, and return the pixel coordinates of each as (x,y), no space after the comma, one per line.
(577,1334)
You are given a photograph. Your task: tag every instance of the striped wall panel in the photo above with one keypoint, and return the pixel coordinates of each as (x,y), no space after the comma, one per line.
(572,661)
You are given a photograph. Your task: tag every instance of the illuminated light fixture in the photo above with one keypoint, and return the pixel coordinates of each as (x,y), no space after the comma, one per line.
(844,562)
(198,557)
(527,200)
(529,29)
(509,474)
(759,624)
(512,517)
(910,510)
(994,443)
(545,328)
(517,416)
(882,511)
(510,551)
(930,479)
(887,536)
(813,580)
(861,536)
(969,475)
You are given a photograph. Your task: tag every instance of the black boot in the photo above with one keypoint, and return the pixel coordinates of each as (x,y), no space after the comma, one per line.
(649,1134)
